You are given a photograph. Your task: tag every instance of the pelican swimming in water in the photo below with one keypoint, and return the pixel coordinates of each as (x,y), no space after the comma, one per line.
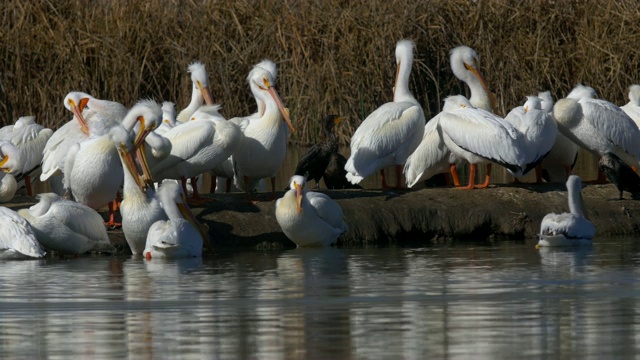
(538,129)
(315,161)
(632,108)
(392,132)
(10,163)
(17,238)
(557,165)
(309,218)
(480,137)
(598,126)
(432,157)
(568,229)
(30,138)
(264,144)
(67,227)
(181,235)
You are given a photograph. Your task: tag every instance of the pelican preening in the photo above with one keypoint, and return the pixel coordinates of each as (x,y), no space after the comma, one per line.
(17,238)
(309,218)
(181,235)
(392,132)
(200,92)
(568,229)
(10,164)
(67,227)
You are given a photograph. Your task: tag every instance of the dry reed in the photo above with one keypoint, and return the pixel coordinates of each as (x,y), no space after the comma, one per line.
(334,56)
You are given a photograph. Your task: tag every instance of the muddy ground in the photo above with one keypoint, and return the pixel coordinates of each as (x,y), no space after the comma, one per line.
(436,215)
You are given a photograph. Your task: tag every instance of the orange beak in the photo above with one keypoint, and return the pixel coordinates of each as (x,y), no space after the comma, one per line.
(298,196)
(190,217)
(492,96)
(206,94)
(77,112)
(283,111)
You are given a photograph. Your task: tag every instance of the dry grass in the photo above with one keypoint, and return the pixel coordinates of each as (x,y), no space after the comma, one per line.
(334,56)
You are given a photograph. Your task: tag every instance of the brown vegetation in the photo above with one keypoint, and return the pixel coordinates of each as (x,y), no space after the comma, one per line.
(334,56)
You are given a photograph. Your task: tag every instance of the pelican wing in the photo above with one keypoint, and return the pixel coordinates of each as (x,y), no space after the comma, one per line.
(633,111)
(430,158)
(57,147)
(186,140)
(31,142)
(484,134)
(79,219)
(613,123)
(327,209)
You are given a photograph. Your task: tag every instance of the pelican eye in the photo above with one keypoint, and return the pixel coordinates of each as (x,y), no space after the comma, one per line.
(167,121)
(526,109)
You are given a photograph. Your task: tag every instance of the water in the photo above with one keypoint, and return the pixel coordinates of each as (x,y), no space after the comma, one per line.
(482,302)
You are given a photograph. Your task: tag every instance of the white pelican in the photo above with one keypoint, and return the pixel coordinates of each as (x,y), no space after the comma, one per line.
(198,146)
(557,165)
(392,132)
(538,129)
(10,163)
(632,108)
(264,145)
(479,137)
(309,218)
(568,229)
(67,227)
(200,92)
(140,207)
(180,236)
(102,114)
(432,157)
(168,118)
(30,138)
(17,238)
(598,126)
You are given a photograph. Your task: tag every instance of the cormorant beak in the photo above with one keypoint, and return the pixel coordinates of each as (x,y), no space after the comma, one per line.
(338,120)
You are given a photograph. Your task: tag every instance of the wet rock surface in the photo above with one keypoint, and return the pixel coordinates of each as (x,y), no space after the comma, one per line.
(421,217)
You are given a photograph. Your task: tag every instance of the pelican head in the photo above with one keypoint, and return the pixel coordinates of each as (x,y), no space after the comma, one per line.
(24,121)
(10,160)
(546,101)
(75,102)
(263,82)
(465,64)
(169,113)
(582,92)
(455,102)
(634,94)
(271,67)
(200,81)
(297,184)
(533,103)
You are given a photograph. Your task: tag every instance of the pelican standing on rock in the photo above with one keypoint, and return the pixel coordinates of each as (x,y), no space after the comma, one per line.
(67,227)
(568,229)
(264,145)
(481,137)
(392,132)
(309,218)
(17,238)
(10,163)
(181,235)
(598,126)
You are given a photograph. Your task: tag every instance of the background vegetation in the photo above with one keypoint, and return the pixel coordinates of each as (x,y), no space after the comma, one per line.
(334,56)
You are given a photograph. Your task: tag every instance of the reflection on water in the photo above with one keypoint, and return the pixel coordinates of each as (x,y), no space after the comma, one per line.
(462,301)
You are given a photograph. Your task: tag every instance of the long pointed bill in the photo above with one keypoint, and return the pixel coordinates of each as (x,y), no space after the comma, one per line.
(130,163)
(4,160)
(190,217)
(492,96)
(283,111)
(77,112)
(298,196)
(206,94)
(338,120)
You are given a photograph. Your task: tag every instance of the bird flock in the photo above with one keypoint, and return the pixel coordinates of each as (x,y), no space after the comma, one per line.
(143,161)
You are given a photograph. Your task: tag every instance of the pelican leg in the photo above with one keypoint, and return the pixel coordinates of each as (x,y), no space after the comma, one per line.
(567,170)
(214,181)
(602,179)
(384,180)
(27,184)
(454,175)
(112,221)
(538,170)
(196,199)
(273,188)
(228,189)
(399,176)
(486,178)
(247,190)
(472,178)
(117,201)
(183,181)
